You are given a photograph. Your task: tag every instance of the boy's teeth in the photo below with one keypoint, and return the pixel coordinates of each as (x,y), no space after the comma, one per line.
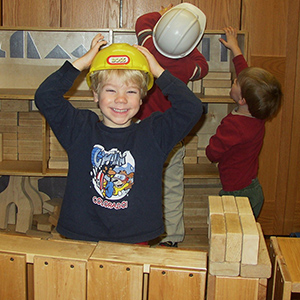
(120,110)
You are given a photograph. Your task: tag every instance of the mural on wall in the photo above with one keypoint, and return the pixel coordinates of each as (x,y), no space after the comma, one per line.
(27,57)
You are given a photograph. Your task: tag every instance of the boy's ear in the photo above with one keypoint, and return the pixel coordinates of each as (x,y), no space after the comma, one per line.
(242,101)
(141,102)
(96,97)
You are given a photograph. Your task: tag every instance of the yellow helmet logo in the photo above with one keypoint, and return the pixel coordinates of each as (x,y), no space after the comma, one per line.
(118,60)
(120,56)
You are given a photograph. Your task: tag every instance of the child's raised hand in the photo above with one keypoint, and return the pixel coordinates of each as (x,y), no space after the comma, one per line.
(155,68)
(231,40)
(165,9)
(85,61)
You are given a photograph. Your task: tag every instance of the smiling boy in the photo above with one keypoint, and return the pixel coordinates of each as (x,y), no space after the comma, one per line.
(114,188)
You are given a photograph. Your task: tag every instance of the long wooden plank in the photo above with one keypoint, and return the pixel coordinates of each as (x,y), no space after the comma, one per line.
(263,268)
(66,249)
(250,240)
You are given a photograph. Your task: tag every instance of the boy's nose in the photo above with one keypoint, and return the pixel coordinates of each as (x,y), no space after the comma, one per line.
(121,98)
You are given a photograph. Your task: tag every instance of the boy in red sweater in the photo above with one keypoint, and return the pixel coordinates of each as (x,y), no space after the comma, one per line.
(189,65)
(239,138)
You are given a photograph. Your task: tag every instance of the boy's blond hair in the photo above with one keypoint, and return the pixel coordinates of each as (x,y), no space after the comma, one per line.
(139,78)
(262,92)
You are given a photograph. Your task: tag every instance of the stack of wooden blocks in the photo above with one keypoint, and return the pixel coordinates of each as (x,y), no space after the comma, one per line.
(191,148)
(30,136)
(236,243)
(216,84)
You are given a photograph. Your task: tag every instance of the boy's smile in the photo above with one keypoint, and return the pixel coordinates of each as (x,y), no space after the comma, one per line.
(119,102)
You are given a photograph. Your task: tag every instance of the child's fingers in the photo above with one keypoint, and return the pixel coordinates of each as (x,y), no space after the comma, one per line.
(98,40)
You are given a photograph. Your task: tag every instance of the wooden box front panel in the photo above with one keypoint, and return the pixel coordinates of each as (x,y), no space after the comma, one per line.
(169,284)
(59,279)
(12,276)
(110,280)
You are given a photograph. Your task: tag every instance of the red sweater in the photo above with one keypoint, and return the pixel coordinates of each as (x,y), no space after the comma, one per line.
(236,145)
(192,67)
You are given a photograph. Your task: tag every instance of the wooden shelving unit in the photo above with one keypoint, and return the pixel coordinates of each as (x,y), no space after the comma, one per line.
(40,168)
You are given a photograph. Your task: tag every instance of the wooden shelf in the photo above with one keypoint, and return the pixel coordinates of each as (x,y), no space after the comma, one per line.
(21,168)
(28,94)
(40,168)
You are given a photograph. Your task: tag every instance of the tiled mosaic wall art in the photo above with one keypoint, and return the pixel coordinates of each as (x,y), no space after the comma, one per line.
(27,57)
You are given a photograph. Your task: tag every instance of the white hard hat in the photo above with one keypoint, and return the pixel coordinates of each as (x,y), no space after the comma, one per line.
(179,30)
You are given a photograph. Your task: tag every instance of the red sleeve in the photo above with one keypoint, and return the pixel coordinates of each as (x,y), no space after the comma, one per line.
(201,65)
(239,63)
(144,25)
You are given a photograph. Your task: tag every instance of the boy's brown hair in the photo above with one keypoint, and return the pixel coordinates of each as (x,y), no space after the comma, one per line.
(262,92)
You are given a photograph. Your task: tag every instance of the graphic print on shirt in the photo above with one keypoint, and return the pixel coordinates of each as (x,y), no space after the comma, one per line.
(112,176)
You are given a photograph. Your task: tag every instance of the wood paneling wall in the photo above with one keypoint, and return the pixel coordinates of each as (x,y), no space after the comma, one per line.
(289,189)
(220,14)
(273,27)
(90,14)
(31,13)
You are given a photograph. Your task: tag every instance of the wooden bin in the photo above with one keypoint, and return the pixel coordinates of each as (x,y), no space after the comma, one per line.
(31,268)
(146,273)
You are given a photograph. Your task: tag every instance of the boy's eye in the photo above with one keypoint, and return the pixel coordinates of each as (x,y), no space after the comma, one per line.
(110,90)
(132,92)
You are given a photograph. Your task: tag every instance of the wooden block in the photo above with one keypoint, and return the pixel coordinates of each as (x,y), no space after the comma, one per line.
(190,160)
(229,204)
(14,193)
(14,105)
(29,133)
(53,219)
(234,237)
(8,129)
(243,205)
(197,86)
(42,221)
(224,268)
(191,152)
(218,75)
(263,268)
(27,146)
(250,240)
(215,205)
(216,91)
(53,205)
(9,118)
(210,83)
(30,119)
(217,239)
(30,156)
(58,163)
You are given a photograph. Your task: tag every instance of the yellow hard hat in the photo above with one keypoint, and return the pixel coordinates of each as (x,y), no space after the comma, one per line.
(120,56)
